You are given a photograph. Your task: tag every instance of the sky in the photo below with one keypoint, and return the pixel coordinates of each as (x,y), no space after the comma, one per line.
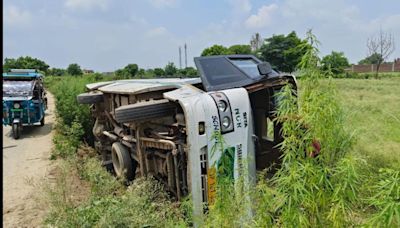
(105,35)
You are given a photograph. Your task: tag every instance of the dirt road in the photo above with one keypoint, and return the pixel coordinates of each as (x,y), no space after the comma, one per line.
(25,164)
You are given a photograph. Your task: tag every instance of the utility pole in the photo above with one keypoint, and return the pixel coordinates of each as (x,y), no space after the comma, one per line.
(180,58)
(185,56)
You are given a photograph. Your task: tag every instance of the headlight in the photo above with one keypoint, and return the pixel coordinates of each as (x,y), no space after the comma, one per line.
(224,111)
(222,106)
(226,122)
(17,105)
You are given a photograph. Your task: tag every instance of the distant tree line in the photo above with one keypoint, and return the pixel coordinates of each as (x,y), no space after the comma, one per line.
(24,62)
(131,70)
(169,71)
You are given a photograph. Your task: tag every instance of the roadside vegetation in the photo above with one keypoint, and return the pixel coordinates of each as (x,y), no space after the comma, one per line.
(354,181)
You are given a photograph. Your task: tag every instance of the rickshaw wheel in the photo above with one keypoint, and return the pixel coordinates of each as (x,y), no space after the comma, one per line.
(42,122)
(16,131)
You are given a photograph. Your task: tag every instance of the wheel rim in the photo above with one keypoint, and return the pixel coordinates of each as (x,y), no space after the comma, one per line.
(116,163)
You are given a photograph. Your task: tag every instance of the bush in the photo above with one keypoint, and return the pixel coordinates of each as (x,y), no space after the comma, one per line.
(69,112)
(66,140)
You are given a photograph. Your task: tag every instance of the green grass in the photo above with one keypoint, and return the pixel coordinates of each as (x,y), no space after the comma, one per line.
(373,113)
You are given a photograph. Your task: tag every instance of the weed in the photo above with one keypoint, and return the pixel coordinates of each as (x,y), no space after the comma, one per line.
(386,199)
(308,189)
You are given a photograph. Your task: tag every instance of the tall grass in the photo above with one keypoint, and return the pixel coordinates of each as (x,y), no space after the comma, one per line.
(108,203)
(386,199)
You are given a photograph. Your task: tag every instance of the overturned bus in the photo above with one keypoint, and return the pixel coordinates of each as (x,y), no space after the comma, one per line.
(167,128)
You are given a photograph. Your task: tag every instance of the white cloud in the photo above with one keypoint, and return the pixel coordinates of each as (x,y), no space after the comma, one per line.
(262,18)
(87,4)
(159,31)
(13,16)
(241,6)
(163,3)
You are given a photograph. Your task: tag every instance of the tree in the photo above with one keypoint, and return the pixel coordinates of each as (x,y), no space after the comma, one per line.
(141,73)
(283,52)
(382,46)
(336,62)
(56,71)
(121,74)
(131,70)
(221,50)
(170,69)
(74,69)
(191,72)
(372,59)
(10,63)
(239,49)
(26,62)
(215,50)
(188,72)
(158,72)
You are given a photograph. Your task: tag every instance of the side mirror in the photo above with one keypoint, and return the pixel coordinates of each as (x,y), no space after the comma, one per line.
(264,68)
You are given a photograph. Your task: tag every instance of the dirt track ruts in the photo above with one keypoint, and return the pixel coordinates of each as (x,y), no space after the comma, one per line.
(25,165)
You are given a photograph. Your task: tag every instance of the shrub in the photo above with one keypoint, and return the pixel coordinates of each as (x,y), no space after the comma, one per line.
(65,90)
(66,140)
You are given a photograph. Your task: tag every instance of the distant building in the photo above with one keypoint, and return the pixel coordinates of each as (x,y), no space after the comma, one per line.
(85,71)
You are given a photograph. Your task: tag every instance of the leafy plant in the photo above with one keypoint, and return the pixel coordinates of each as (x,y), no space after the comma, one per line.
(307,186)
(386,199)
